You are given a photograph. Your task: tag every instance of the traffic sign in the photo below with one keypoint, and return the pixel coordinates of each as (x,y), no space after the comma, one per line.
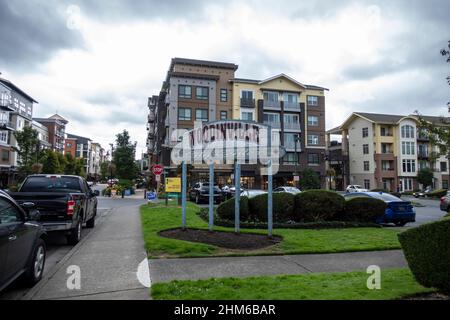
(158,178)
(151,196)
(157,169)
(173,185)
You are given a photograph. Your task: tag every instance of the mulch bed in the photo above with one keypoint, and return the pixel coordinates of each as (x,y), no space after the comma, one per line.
(228,240)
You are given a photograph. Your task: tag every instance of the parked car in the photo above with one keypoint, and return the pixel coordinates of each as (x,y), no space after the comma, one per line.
(22,242)
(65,203)
(228,192)
(252,193)
(423,193)
(445,202)
(291,190)
(398,211)
(200,193)
(355,188)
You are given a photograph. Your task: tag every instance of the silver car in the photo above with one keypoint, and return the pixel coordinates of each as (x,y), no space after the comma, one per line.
(252,193)
(291,190)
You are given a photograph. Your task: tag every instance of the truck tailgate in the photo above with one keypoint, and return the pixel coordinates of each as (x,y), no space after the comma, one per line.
(52,206)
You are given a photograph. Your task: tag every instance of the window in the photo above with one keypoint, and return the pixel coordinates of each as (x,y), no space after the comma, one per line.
(313,101)
(247,116)
(443,166)
(408,131)
(271,118)
(444,184)
(201,115)
(407,184)
(247,95)
(290,98)
(408,148)
(409,165)
(365,132)
(8,213)
(5,155)
(291,121)
(223,95)
(313,158)
(290,158)
(201,93)
(313,121)
(313,139)
(271,96)
(367,184)
(185,92)
(184,114)
(290,140)
(69,145)
(223,115)
(365,149)
(366,166)
(4,136)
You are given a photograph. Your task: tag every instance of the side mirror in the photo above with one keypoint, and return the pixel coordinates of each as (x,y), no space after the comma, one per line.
(96,193)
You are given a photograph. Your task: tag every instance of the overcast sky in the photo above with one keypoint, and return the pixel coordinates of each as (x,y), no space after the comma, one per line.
(95,62)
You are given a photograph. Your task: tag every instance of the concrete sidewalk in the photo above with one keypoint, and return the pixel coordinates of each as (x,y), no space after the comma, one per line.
(108,258)
(205,268)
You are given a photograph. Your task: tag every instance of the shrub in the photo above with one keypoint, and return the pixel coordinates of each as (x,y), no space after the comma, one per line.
(317,205)
(427,251)
(438,193)
(283,207)
(363,209)
(226,209)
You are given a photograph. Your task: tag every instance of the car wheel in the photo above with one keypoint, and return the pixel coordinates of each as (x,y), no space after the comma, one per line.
(91,222)
(35,269)
(75,234)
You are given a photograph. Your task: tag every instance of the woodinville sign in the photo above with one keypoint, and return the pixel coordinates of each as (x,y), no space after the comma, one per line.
(228,142)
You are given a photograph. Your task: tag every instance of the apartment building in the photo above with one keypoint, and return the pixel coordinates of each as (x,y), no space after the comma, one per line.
(208,91)
(43,135)
(387,151)
(56,126)
(91,152)
(16,111)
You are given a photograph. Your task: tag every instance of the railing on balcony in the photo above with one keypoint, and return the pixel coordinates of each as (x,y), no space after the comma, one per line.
(272,104)
(247,103)
(151,117)
(274,125)
(6,125)
(291,126)
(422,154)
(293,106)
(291,146)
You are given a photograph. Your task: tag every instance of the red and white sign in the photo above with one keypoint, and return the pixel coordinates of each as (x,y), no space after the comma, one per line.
(157,170)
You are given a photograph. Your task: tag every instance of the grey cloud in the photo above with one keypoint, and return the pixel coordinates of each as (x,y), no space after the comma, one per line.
(31,31)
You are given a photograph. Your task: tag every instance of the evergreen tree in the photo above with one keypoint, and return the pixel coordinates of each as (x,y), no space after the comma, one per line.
(309,180)
(50,162)
(124,157)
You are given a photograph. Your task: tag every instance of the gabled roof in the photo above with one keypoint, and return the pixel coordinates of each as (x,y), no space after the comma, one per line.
(12,86)
(282,75)
(73,136)
(380,118)
(58,117)
(259,82)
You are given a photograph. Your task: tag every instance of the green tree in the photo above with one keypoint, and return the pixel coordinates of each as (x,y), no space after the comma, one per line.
(50,162)
(124,157)
(309,180)
(70,164)
(425,177)
(27,149)
(62,163)
(104,170)
(79,168)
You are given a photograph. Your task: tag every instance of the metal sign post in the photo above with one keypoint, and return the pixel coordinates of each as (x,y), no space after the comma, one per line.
(237,197)
(183,193)
(270,185)
(211,197)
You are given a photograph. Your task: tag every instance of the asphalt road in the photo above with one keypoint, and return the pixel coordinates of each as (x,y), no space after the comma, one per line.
(430,212)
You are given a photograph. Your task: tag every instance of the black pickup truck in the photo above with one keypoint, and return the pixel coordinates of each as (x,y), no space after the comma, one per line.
(65,203)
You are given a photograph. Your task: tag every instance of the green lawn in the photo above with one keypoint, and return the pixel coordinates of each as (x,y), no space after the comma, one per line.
(156,218)
(395,284)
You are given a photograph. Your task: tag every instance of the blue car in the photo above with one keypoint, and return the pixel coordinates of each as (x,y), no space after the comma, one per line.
(398,211)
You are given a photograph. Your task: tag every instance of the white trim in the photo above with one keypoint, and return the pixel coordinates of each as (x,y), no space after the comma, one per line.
(282,75)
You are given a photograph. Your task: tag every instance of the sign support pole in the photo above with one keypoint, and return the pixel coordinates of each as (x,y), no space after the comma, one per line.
(211,197)
(237,197)
(183,192)
(269,187)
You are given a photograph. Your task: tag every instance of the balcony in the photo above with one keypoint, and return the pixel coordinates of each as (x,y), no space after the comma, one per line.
(274,105)
(292,126)
(292,106)
(6,104)
(274,125)
(423,155)
(247,103)
(290,146)
(6,125)
(151,117)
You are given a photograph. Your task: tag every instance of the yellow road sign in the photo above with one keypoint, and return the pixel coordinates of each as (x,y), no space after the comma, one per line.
(173,184)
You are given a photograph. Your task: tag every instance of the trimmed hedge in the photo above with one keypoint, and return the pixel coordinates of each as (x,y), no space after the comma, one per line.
(363,209)
(438,193)
(427,250)
(318,205)
(226,209)
(283,207)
